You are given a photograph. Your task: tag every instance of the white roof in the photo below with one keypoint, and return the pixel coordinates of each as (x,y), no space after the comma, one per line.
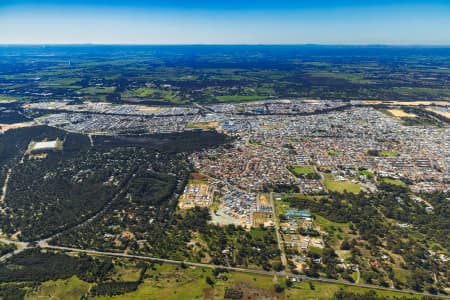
(44,145)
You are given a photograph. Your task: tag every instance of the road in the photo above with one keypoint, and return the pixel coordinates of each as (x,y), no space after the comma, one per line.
(5,186)
(277,231)
(23,245)
(44,243)
(236,269)
(322,178)
(91,140)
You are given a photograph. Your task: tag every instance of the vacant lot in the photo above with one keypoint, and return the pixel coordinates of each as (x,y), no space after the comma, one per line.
(203,125)
(263,200)
(341,186)
(394,182)
(301,170)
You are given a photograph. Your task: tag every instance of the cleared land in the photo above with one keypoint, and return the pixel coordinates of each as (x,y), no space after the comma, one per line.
(341,186)
(263,200)
(195,195)
(261,218)
(149,108)
(6,127)
(442,113)
(406,103)
(203,125)
(399,113)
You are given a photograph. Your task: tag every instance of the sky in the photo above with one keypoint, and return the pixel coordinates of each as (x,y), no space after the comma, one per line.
(225,22)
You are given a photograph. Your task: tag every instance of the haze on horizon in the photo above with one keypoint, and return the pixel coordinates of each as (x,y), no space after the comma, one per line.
(225,22)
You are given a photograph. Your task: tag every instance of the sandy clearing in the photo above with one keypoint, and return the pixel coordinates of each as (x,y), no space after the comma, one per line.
(400,113)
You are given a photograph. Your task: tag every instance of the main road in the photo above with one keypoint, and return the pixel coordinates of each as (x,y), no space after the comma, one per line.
(23,245)
(237,269)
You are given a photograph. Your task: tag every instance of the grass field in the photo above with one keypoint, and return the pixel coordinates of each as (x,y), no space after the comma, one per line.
(341,186)
(386,153)
(68,289)
(166,282)
(354,78)
(394,182)
(126,273)
(151,93)
(336,231)
(240,98)
(98,90)
(367,173)
(332,152)
(191,284)
(172,282)
(281,205)
(301,170)
(326,291)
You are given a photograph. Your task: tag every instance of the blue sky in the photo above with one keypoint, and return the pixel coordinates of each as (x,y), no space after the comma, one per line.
(224,22)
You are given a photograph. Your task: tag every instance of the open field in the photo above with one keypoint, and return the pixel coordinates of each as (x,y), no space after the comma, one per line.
(354,78)
(442,113)
(387,153)
(407,103)
(171,282)
(325,291)
(239,98)
(67,289)
(263,200)
(399,113)
(260,218)
(149,108)
(6,127)
(98,90)
(197,178)
(6,99)
(301,170)
(333,185)
(203,125)
(147,93)
(221,218)
(394,182)
(367,173)
(125,273)
(219,74)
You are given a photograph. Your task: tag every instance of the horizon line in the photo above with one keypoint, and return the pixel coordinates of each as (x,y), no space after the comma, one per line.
(230,44)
